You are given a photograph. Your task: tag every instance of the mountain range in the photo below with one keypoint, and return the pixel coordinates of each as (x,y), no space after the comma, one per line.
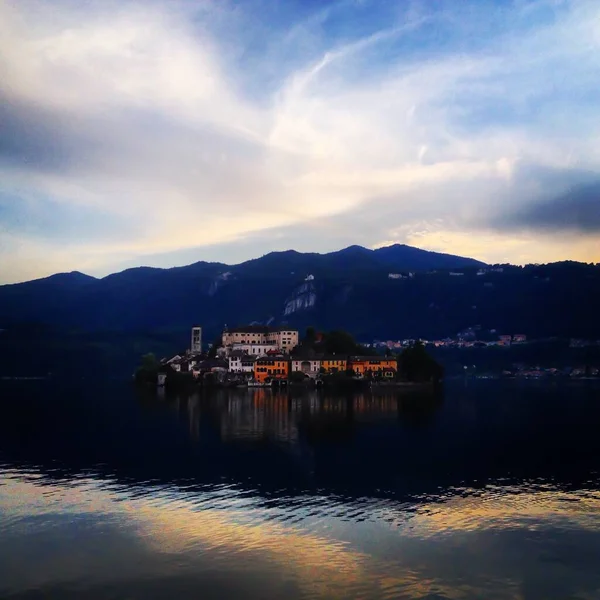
(392,292)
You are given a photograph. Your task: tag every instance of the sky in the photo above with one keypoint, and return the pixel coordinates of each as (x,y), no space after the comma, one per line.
(164,132)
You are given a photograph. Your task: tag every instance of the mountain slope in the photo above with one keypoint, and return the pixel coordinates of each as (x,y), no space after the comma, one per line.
(347,289)
(406,257)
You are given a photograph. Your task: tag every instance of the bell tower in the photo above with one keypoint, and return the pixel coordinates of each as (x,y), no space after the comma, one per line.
(196,345)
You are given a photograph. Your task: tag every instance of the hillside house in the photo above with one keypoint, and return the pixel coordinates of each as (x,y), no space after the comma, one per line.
(504,340)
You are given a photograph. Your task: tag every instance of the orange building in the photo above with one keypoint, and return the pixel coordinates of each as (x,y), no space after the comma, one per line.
(334,364)
(375,365)
(271,367)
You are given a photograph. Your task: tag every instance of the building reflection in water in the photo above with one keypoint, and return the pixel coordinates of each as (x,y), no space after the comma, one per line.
(265,414)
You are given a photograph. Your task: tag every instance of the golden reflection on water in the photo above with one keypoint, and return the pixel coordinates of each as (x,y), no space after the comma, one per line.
(497,508)
(236,540)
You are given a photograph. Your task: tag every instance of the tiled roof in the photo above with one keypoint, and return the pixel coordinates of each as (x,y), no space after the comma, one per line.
(258,329)
(273,357)
(248,329)
(366,358)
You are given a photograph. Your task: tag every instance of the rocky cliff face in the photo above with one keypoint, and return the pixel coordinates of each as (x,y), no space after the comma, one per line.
(303,298)
(218,282)
(335,291)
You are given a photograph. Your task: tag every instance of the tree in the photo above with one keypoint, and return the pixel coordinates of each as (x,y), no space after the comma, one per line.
(297,377)
(147,372)
(310,336)
(149,362)
(415,364)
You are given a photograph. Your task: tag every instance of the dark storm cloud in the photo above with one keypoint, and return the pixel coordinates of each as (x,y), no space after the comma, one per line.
(35,137)
(576,210)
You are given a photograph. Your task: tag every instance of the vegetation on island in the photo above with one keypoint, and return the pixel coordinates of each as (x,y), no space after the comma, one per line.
(147,371)
(150,368)
(336,342)
(416,365)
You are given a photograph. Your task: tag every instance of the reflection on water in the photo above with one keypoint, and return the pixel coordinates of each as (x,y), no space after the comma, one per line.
(489,492)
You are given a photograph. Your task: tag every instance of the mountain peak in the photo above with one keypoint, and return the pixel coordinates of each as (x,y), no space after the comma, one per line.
(354,248)
(344,286)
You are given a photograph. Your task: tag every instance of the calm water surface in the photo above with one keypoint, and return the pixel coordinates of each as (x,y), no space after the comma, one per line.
(490,490)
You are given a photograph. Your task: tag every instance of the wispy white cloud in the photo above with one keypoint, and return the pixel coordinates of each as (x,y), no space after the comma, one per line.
(178,126)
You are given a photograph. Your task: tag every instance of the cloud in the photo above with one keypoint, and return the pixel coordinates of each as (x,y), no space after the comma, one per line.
(153,128)
(578,210)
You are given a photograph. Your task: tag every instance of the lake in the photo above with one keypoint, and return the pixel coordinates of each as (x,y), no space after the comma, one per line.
(488,490)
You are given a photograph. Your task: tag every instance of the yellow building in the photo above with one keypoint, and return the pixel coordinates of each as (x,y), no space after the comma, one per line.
(374,365)
(271,367)
(334,364)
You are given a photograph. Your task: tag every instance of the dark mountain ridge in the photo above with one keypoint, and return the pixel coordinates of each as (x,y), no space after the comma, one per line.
(368,292)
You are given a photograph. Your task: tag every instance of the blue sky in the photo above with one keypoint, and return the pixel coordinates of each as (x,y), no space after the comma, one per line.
(165,132)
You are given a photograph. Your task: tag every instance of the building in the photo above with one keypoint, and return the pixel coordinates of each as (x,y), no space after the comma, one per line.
(248,366)
(174,362)
(196,344)
(505,340)
(284,338)
(271,367)
(211,365)
(374,365)
(253,349)
(242,363)
(519,338)
(334,364)
(234,361)
(308,366)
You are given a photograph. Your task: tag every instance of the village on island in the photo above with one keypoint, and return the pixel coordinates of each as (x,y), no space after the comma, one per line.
(263,356)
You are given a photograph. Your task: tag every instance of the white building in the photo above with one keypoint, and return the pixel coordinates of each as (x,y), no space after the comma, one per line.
(241,363)
(308,366)
(284,338)
(252,349)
